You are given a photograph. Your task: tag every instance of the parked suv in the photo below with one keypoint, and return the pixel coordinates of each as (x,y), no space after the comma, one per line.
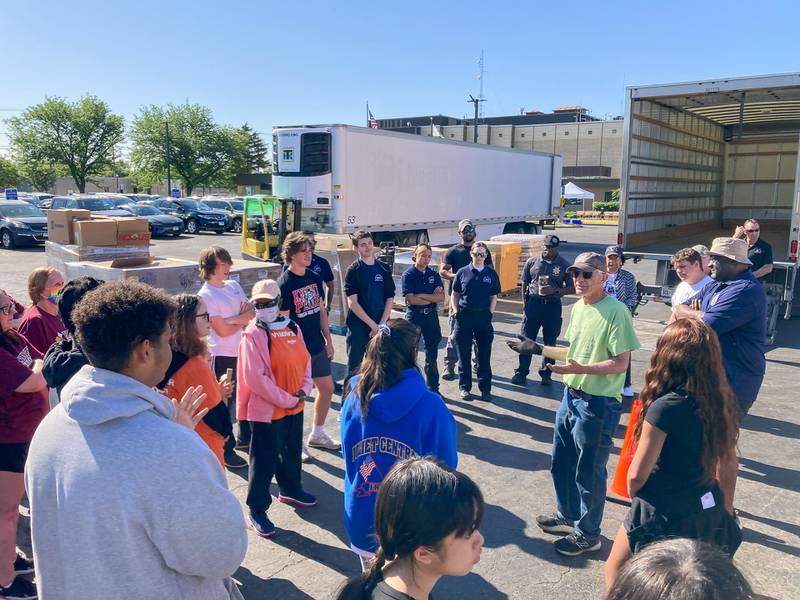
(99,206)
(234,209)
(21,224)
(196,216)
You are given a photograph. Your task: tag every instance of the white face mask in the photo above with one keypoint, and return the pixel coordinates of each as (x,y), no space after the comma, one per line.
(268,315)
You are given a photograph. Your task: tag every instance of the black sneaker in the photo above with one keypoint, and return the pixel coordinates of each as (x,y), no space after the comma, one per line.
(575,544)
(546,375)
(22,565)
(234,461)
(301,498)
(486,396)
(519,378)
(555,524)
(242,445)
(261,525)
(465,395)
(20,589)
(449,374)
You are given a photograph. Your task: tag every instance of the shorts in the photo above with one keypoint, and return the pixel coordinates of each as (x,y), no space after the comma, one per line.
(646,524)
(320,365)
(13,457)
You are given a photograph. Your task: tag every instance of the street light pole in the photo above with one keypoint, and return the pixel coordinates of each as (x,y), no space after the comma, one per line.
(169,172)
(476,102)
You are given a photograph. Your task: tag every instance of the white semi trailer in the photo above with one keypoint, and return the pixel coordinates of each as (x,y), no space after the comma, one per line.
(408,188)
(701,157)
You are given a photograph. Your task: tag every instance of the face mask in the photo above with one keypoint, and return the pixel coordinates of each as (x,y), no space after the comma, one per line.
(268,315)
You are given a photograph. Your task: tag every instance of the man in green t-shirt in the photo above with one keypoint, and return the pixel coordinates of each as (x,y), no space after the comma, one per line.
(601,338)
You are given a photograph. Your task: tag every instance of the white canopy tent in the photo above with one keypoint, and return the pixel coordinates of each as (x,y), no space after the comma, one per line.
(572,191)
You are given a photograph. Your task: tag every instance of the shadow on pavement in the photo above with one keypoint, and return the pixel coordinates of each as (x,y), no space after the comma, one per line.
(470,586)
(499,454)
(255,587)
(339,559)
(779,477)
(785,429)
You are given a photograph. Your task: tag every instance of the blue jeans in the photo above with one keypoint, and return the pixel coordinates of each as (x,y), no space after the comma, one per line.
(582,442)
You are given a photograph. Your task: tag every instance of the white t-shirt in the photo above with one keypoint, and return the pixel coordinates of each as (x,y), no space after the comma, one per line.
(223,302)
(684,291)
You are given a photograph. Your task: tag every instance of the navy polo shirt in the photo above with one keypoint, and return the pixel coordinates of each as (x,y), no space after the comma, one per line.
(737,311)
(415,281)
(476,288)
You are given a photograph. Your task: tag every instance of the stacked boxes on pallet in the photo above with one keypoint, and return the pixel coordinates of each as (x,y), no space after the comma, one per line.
(530,245)
(338,251)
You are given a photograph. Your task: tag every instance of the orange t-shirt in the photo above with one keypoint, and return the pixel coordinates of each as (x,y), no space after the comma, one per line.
(196,371)
(288,360)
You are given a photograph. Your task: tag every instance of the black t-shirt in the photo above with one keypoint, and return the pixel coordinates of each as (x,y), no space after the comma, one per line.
(303,297)
(678,473)
(760,254)
(458,257)
(319,265)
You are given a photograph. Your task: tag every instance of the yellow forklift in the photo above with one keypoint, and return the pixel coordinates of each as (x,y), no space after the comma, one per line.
(268,220)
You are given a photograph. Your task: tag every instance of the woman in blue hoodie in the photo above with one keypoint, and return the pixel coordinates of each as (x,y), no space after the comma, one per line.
(389,415)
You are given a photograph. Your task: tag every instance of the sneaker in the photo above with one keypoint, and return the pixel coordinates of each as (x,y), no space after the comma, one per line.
(304,455)
(628,391)
(261,525)
(465,395)
(323,440)
(20,589)
(555,524)
(234,461)
(519,378)
(449,374)
(575,544)
(22,565)
(486,396)
(242,445)
(301,498)
(547,377)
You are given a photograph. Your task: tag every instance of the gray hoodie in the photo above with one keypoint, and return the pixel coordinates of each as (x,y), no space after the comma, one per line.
(126,503)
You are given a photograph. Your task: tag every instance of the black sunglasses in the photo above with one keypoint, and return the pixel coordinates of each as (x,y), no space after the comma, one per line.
(8,309)
(468,230)
(261,304)
(204,315)
(586,274)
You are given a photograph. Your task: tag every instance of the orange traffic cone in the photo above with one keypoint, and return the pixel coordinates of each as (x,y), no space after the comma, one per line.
(618,490)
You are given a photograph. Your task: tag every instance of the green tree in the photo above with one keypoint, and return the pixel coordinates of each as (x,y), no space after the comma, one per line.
(9,174)
(200,150)
(80,136)
(255,152)
(41,175)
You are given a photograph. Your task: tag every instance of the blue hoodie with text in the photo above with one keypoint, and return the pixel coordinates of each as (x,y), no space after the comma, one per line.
(403,421)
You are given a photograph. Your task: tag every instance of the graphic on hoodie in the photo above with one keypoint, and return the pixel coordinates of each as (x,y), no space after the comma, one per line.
(380,445)
(370,486)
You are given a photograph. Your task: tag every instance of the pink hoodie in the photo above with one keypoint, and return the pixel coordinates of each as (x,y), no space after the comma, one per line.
(257,393)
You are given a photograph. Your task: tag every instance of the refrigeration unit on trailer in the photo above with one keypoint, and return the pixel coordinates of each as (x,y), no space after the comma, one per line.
(701,157)
(409,188)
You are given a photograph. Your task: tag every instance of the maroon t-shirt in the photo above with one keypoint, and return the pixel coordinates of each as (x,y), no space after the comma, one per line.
(20,413)
(42,329)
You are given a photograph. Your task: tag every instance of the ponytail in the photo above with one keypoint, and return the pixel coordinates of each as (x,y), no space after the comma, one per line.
(361,587)
(391,351)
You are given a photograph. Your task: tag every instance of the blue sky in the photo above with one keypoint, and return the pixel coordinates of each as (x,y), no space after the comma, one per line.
(270,63)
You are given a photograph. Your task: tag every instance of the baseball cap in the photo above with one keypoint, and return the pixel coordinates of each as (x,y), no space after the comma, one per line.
(464,223)
(700,249)
(551,241)
(614,251)
(733,248)
(266,289)
(589,262)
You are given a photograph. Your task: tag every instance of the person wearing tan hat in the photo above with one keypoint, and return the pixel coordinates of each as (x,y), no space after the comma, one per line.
(735,307)
(274,373)
(601,337)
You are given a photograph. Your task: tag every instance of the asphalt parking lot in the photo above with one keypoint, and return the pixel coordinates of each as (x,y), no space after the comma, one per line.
(505,447)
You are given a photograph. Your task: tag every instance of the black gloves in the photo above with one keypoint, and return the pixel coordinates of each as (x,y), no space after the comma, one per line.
(525,346)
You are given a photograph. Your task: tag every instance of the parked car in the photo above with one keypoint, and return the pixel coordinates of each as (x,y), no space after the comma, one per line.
(36,198)
(234,209)
(196,215)
(99,206)
(160,223)
(21,224)
(140,197)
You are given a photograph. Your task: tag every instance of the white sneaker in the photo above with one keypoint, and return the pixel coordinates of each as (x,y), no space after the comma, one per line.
(304,455)
(323,440)
(628,391)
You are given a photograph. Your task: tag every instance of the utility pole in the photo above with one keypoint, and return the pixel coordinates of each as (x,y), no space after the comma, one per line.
(477,103)
(169,172)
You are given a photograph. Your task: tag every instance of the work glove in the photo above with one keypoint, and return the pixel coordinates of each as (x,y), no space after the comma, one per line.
(525,346)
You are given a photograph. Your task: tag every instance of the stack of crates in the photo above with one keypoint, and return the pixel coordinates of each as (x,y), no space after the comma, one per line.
(530,245)
(505,256)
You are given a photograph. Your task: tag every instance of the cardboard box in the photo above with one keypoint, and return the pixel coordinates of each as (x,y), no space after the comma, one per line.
(60,227)
(132,231)
(97,232)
